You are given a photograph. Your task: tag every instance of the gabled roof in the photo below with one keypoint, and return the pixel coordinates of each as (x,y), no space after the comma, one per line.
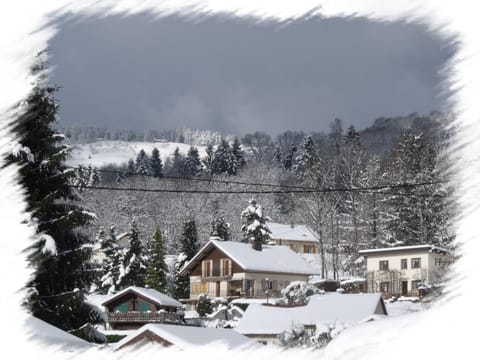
(321,309)
(153,295)
(186,337)
(43,331)
(272,258)
(404,248)
(291,232)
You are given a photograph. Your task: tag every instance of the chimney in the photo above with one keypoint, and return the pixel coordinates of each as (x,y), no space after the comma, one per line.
(257,245)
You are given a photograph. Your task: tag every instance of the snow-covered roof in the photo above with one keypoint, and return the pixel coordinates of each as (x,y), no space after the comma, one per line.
(294,232)
(403,248)
(151,294)
(49,334)
(186,337)
(272,258)
(321,309)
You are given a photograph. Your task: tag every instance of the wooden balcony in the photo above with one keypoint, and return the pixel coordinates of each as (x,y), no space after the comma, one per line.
(141,317)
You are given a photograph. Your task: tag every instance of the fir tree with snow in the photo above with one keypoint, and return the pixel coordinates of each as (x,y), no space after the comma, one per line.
(277,159)
(130,168)
(208,159)
(60,253)
(255,228)
(156,166)
(238,153)
(223,159)
(220,229)
(178,163)
(156,271)
(193,165)
(204,305)
(112,263)
(290,157)
(133,271)
(142,163)
(94,178)
(305,156)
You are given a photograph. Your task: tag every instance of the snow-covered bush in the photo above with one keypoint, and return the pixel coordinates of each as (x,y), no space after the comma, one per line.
(297,293)
(204,305)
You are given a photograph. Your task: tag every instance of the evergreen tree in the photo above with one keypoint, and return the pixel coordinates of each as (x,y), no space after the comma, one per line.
(94,178)
(305,156)
(130,168)
(220,229)
(142,166)
(222,158)
(81,179)
(156,166)
(133,271)
(178,164)
(112,263)
(255,229)
(290,157)
(208,159)
(59,255)
(193,165)
(238,153)
(277,157)
(188,248)
(156,272)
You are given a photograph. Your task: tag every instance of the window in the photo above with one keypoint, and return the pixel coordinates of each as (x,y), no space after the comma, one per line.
(309,249)
(207,268)
(143,306)
(204,288)
(385,287)
(122,307)
(225,267)
(403,264)
(415,284)
(195,288)
(415,263)
(383,265)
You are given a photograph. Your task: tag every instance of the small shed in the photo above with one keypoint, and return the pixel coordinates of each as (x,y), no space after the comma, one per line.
(134,306)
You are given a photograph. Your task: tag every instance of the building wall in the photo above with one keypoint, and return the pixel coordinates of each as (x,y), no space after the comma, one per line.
(395,275)
(298,246)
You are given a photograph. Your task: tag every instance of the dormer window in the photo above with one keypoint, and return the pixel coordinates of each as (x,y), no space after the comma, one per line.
(383,265)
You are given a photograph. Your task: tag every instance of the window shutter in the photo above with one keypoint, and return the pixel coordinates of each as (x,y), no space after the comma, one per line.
(222,267)
(229,263)
(203,268)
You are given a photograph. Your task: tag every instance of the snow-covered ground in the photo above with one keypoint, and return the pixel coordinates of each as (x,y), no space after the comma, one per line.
(106,152)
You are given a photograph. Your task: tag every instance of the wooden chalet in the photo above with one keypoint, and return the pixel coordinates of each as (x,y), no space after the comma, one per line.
(135,306)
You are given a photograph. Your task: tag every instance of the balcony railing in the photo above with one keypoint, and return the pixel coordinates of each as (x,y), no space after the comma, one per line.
(146,317)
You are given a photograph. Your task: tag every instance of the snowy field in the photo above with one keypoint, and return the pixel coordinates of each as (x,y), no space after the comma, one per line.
(105,152)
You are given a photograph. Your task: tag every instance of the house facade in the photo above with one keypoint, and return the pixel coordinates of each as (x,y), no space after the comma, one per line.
(402,271)
(135,306)
(233,269)
(298,238)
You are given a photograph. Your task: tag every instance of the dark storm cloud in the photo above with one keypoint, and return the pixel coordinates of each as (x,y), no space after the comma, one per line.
(238,77)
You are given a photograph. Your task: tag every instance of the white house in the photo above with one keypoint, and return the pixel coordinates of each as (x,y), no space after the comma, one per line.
(399,271)
(265,323)
(297,237)
(233,269)
(186,337)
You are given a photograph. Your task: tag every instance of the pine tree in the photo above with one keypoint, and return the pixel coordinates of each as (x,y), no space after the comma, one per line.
(222,158)
(290,157)
(220,229)
(130,168)
(111,265)
(156,271)
(156,166)
(238,153)
(208,159)
(60,254)
(277,157)
(178,164)
(142,166)
(193,165)
(305,156)
(255,229)
(188,248)
(133,271)
(94,178)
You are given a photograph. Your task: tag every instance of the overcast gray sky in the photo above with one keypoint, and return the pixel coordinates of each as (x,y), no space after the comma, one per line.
(237,77)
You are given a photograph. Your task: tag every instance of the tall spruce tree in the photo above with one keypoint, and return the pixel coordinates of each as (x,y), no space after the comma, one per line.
(156,166)
(142,166)
(188,248)
(133,271)
(193,165)
(111,265)
(208,159)
(156,272)
(220,228)
(60,253)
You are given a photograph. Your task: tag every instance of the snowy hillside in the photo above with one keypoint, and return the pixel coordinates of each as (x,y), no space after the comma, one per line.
(106,152)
